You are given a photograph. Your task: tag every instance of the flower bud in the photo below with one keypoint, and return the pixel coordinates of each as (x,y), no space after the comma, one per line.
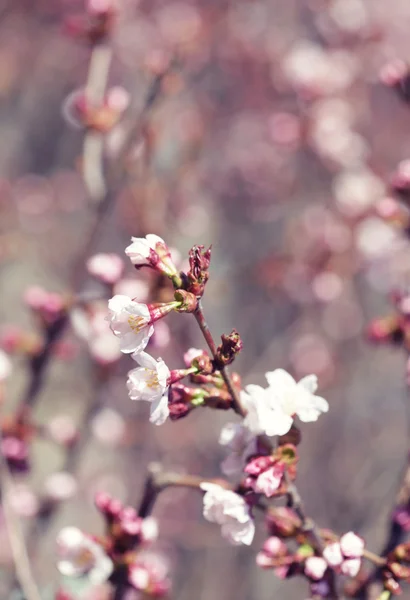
(283,522)
(230,347)
(153,252)
(188,302)
(315,567)
(198,275)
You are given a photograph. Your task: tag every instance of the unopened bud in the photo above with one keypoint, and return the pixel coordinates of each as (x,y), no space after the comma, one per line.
(188,302)
(230,347)
(283,522)
(198,275)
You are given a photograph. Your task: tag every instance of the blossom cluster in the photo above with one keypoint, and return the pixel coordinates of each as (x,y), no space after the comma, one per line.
(123,549)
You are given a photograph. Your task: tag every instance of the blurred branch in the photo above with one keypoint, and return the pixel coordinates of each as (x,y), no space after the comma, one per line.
(16,538)
(93,151)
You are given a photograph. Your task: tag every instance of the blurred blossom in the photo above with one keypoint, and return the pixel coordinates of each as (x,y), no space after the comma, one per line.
(108,427)
(104,349)
(356,191)
(310,353)
(137,289)
(79,555)
(179,22)
(327,286)
(5,366)
(106,267)
(101,6)
(33,195)
(349,15)
(23,500)
(62,429)
(60,486)
(162,335)
(393,72)
(316,71)
(374,237)
(285,128)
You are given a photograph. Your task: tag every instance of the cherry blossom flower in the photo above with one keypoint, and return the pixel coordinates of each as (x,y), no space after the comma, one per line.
(241,443)
(230,511)
(131,322)
(151,251)
(149,574)
(150,382)
(272,410)
(80,555)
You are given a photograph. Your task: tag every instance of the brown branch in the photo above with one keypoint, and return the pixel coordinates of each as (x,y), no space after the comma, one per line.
(206,332)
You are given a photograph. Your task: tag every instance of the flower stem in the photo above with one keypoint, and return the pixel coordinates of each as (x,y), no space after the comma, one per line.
(203,325)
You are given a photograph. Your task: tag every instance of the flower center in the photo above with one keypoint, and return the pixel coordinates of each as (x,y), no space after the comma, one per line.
(152,379)
(136,323)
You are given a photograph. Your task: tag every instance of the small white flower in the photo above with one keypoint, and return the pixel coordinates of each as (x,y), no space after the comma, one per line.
(241,442)
(140,250)
(151,251)
(80,555)
(272,410)
(230,511)
(131,322)
(150,382)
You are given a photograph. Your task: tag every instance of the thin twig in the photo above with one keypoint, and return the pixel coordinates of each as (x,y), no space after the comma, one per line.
(203,325)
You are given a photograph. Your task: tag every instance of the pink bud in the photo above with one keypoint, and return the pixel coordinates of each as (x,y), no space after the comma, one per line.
(131,527)
(315,567)
(351,567)
(274,546)
(269,481)
(62,429)
(191,354)
(352,545)
(149,530)
(60,486)
(256,465)
(263,560)
(118,99)
(333,554)
(102,501)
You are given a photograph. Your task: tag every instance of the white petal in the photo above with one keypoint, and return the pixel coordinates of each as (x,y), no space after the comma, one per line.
(312,411)
(309,383)
(145,360)
(279,423)
(118,303)
(280,379)
(102,570)
(153,239)
(159,410)
(131,342)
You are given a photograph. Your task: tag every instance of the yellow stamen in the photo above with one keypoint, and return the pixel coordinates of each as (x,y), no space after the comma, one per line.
(152,381)
(136,323)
